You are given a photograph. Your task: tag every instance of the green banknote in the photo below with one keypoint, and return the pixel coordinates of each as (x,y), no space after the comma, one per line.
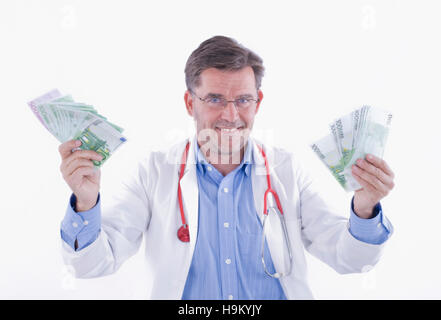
(373,136)
(66,120)
(351,137)
(330,156)
(99,136)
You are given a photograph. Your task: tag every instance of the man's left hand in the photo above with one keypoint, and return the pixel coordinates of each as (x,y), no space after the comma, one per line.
(376,178)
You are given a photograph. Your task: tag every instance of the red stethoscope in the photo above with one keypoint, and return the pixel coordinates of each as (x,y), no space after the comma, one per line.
(183,232)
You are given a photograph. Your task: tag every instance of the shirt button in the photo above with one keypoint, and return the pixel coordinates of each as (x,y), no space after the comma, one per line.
(228,261)
(86,222)
(74,224)
(225,190)
(209,168)
(379,225)
(230,297)
(226,224)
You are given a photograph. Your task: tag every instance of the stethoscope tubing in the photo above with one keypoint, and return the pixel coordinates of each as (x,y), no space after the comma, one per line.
(183,232)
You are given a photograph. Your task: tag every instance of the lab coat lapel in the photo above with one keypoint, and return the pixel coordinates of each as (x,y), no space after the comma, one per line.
(258,179)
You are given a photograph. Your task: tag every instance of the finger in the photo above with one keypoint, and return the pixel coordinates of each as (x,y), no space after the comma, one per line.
(79,162)
(81,172)
(365,184)
(85,154)
(65,148)
(380,163)
(374,181)
(377,172)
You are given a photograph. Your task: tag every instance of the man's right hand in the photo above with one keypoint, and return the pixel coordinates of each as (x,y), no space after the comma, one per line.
(80,173)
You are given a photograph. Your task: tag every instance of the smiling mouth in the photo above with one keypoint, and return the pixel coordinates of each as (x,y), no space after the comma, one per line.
(228,130)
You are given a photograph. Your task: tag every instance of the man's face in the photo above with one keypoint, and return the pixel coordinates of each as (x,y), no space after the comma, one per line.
(223,130)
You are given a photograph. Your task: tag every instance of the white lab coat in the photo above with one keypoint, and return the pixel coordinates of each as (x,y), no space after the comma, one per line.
(148,207)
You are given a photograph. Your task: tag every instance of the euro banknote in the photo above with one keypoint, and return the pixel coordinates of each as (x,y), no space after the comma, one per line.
(67,119)
(353,136)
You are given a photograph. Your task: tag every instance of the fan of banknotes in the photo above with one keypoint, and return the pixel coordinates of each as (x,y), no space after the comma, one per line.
(67,120)
(352,136)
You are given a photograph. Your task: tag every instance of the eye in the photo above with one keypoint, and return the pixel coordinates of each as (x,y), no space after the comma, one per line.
(214,100)
(243,100)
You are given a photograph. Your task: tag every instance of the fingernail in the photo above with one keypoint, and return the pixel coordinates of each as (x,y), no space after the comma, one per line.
(369,157)
(78,143)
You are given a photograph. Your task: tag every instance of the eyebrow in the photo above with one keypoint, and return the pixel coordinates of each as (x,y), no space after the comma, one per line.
(213,95)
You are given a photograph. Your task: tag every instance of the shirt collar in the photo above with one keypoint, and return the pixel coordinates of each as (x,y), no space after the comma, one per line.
(202,163)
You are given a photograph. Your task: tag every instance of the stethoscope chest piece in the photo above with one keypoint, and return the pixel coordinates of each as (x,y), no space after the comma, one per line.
(183,233)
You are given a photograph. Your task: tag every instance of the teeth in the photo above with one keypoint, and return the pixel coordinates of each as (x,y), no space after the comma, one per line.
(228,130)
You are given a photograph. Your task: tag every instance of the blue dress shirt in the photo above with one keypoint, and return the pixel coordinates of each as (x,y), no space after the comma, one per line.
(226,261)
(84,227)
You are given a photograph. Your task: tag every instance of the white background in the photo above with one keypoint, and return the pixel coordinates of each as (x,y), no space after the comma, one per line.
(322,58)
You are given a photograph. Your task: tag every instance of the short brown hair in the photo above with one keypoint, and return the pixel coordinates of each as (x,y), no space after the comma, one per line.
(222,53)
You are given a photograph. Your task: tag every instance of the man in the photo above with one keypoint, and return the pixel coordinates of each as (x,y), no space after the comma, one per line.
(200,205)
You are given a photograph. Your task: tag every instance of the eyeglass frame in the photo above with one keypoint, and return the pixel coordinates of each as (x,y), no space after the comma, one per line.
(226,102)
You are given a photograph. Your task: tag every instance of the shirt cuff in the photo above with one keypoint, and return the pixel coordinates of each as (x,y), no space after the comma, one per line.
(375,230)
(84,227)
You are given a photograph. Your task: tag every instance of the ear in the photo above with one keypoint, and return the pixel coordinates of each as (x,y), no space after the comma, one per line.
(188,98)
(260,95)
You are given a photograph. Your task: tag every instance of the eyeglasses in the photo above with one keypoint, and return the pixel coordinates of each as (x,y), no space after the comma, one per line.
(219,103)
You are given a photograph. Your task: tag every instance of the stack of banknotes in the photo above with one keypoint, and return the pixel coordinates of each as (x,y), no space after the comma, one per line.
(67,120)
(352,136)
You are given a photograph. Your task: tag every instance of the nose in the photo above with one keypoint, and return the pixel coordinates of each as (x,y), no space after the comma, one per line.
(230,112)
